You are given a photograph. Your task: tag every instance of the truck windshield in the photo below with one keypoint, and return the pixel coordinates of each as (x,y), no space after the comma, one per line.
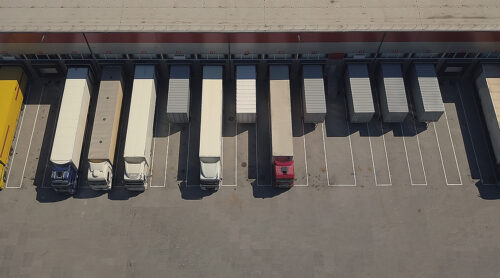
(98,182)
(209,159)
(60,182)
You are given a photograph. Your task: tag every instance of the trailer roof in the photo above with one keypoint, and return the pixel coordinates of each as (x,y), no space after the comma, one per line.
(241,15)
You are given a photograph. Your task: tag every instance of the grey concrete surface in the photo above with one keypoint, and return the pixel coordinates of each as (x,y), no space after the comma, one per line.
(239,15)
(441,222)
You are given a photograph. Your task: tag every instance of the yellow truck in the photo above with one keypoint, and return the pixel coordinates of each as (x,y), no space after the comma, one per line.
(13,81)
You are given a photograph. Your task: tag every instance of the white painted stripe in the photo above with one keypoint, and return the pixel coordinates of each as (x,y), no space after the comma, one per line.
(31,138)
(15,144)
(166,157)
(371,152)
(324,150)
(453,148)
(386,157)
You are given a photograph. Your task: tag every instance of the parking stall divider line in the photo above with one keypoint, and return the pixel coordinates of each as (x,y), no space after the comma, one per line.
(324,151)
(469,132)
(453,148)
(371,152)
(350,145)
(15,144)
(352,156)
(187,160)
(31,138)
(440,154)
(304,139)
(236,153)
(386,157)
(407,159)
(166,157)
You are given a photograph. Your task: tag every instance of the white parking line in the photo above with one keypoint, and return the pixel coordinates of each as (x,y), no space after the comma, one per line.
(15,144)
(153,155)
(324,150)
(407,159)
(305,152)
(371,152)
(453,148)
(166,157)
(187,160)
(31,138)
(350,146)
(470,135)
(441,155)
(386,157)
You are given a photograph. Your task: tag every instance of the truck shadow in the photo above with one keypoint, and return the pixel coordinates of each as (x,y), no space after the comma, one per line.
(48,195)
(488,192)
(194,192)
(119,193)
(265,192)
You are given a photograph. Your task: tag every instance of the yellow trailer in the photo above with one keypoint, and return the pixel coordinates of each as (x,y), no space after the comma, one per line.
(13,83)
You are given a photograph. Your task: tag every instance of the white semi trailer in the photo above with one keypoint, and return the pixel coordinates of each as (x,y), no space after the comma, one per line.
(139,138)
(105,129)
(211,128)
(70,131)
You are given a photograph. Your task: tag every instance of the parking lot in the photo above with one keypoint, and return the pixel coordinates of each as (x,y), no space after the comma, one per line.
(370,199)
(451,152)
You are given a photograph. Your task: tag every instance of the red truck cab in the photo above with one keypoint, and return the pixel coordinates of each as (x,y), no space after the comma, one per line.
(283,174)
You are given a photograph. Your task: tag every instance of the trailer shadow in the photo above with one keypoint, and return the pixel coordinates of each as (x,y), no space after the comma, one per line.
(194,192)
(48,195)
(119,193)
(488,192)
(265,192)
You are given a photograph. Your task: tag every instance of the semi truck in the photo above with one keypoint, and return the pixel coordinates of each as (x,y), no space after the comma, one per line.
(487,81)
(105,129)
(281,127)
(70,130)
(139,137)
(211,128)
(13,83)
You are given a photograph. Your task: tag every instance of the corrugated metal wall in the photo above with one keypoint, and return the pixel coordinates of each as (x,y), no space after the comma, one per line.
(246,98)
(359,93)
(178,94)
(392,92)
(426,93)
(313,94)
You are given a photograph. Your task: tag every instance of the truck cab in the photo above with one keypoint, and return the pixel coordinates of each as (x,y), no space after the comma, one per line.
(136,174)
(100,175)
(283,173)
(210,173)
(64,178)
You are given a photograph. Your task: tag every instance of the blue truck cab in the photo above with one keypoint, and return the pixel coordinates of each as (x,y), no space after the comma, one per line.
(64,178)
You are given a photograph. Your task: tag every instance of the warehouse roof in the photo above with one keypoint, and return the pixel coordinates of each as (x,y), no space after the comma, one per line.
(245,15)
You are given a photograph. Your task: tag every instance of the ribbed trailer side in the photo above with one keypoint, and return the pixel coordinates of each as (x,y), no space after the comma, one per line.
(178,94)
(488,87)
(426,93)
(393,102)
(107,116)
(13,83)
(281,113)
(211,113)
(313,94)
(359,93)
(139,136)
(72,119)
(246,94)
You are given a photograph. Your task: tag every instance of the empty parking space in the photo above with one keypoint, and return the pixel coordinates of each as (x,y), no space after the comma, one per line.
(378,147)
(31,164)
(315,154)
(160,138)
(299,150)
(444,138)
(263,128)
(229,139)
(192,169)
(246,154)
(339,156)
